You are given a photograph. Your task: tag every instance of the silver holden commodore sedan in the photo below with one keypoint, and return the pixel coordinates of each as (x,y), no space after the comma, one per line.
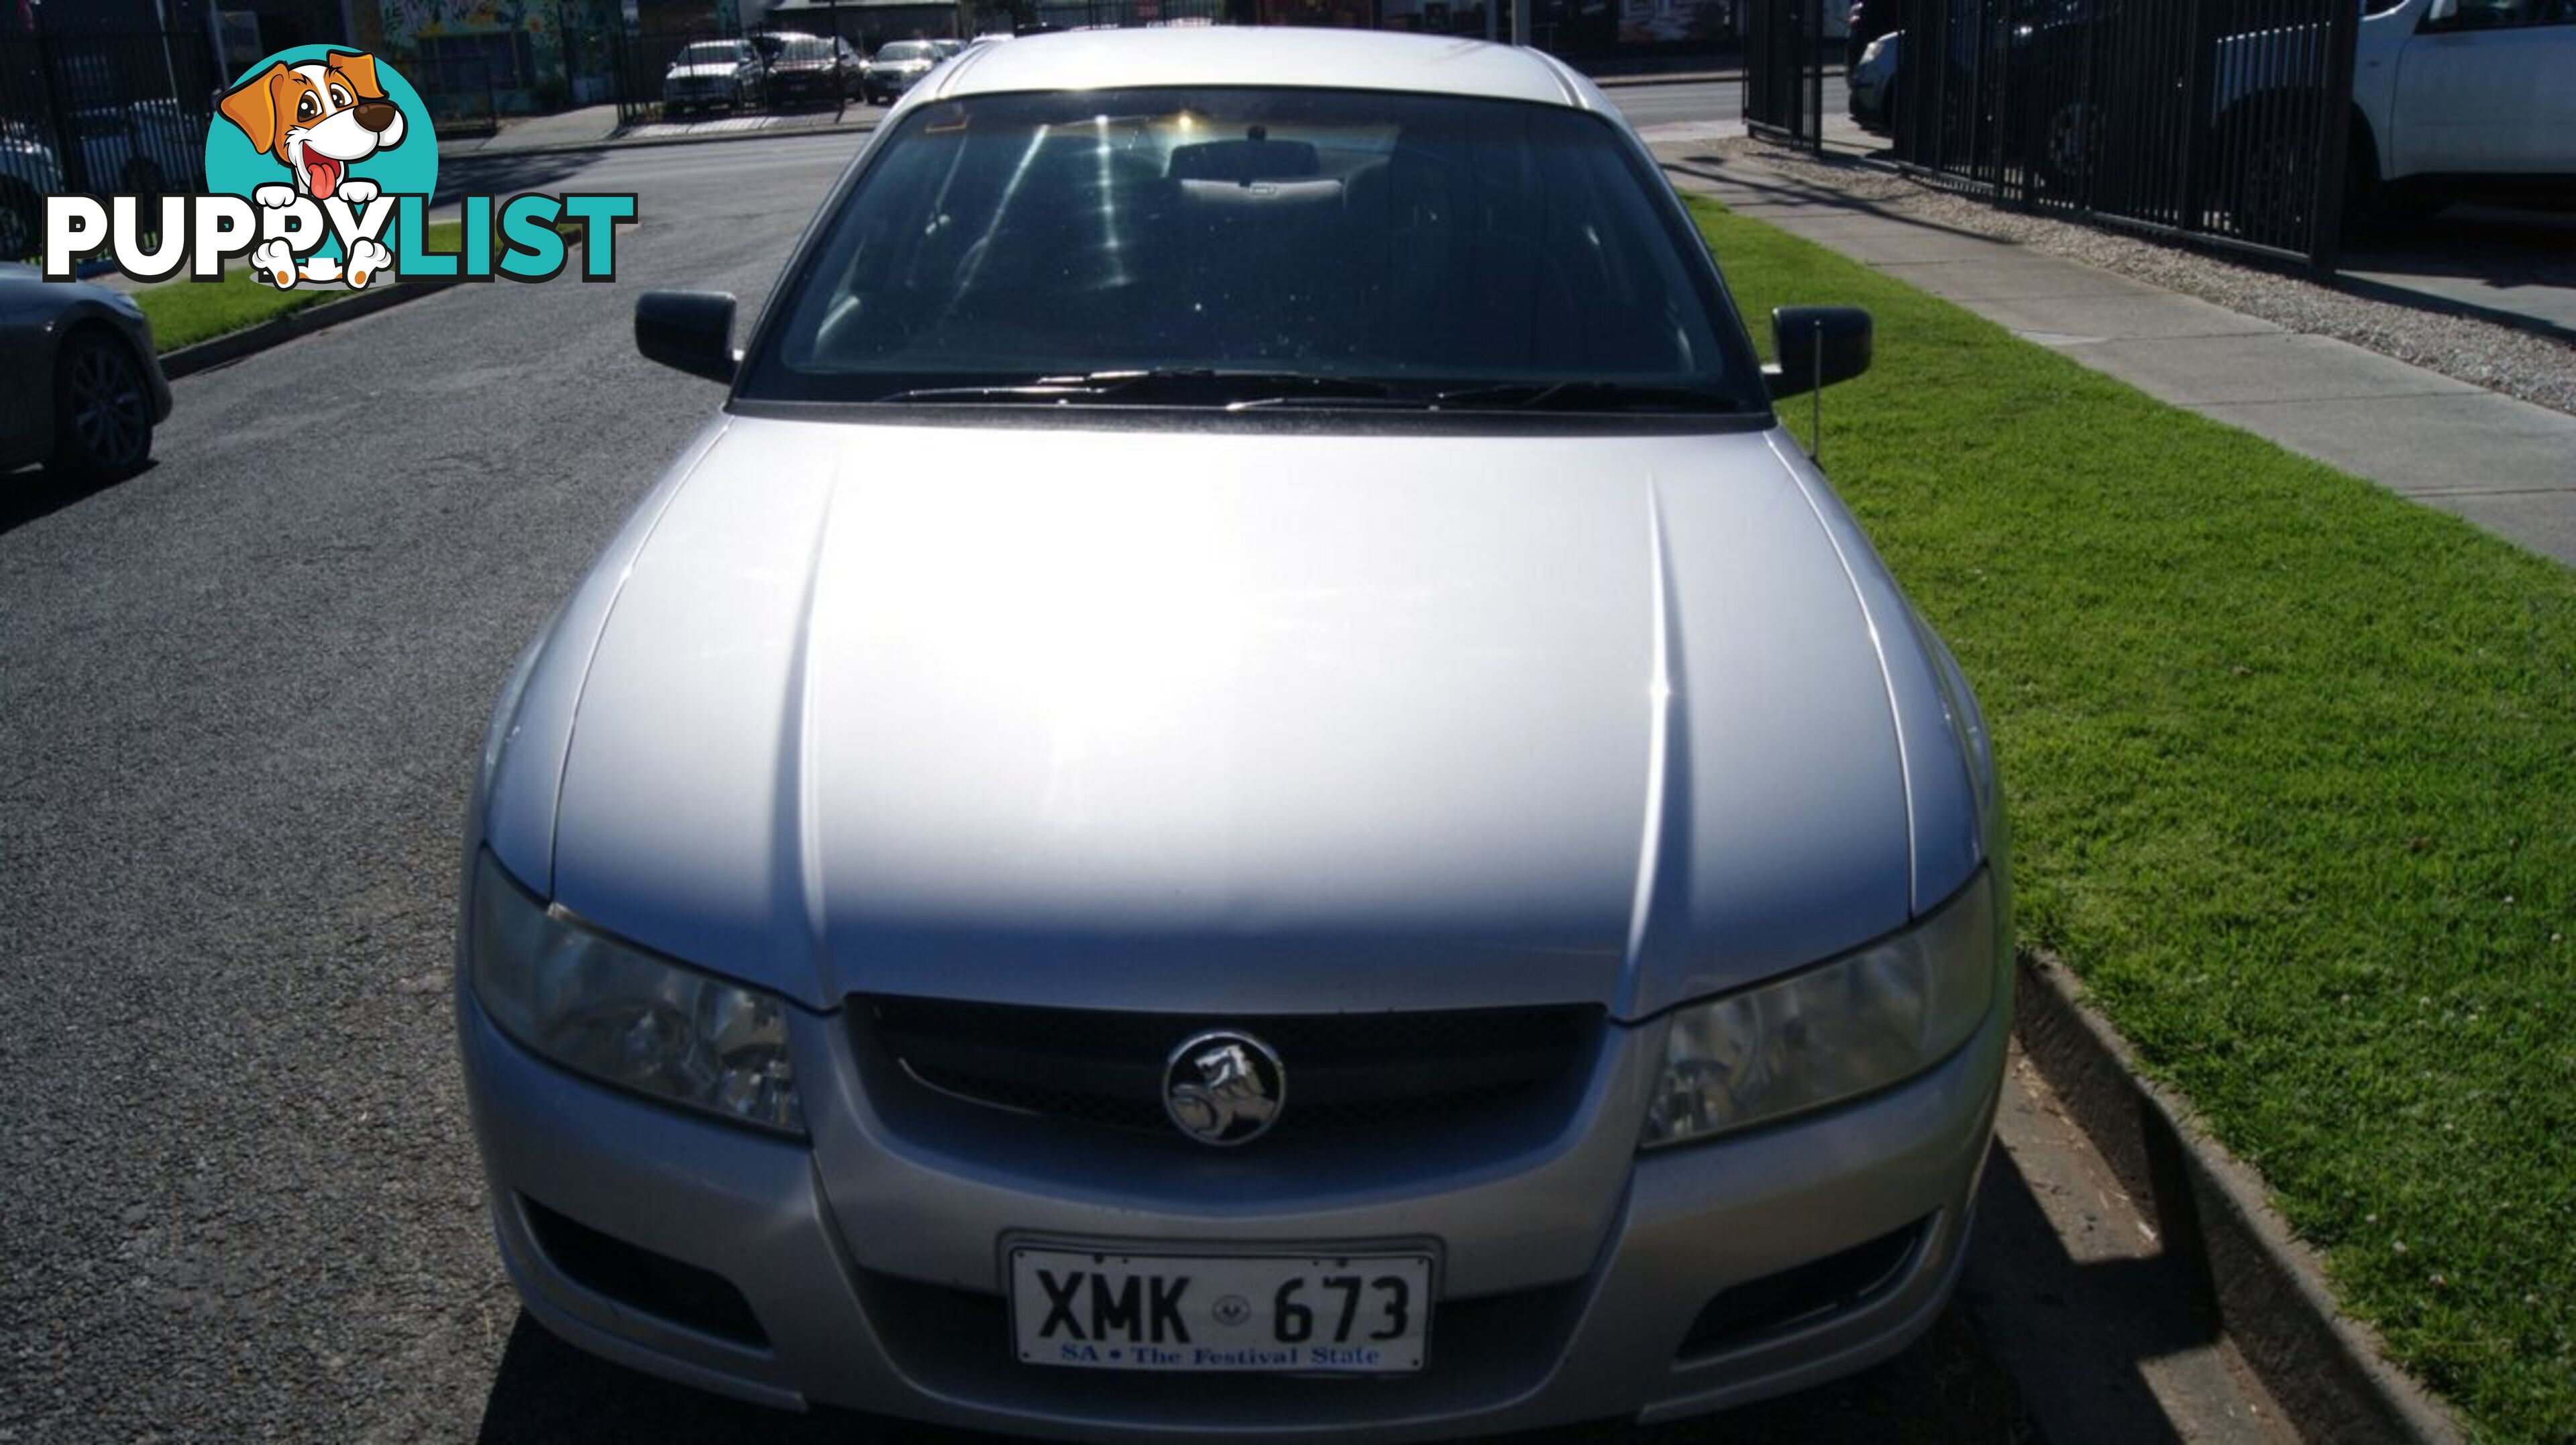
(1243,787)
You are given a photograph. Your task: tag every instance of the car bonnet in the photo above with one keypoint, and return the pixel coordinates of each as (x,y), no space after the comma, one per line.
(1198,720)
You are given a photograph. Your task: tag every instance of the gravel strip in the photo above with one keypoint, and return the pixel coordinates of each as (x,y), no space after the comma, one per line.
(2536,369)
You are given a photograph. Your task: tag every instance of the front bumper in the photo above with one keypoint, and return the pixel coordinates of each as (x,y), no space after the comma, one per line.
(1868,87)
(1574,1270)
(1869,107)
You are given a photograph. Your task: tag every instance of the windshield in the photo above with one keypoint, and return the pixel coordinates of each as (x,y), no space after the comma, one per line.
(905,50)
(715,54)
(1406,249)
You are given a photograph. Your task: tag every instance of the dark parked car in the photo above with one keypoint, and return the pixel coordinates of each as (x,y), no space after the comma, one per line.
(80,358)
(809,70)
(2052,121)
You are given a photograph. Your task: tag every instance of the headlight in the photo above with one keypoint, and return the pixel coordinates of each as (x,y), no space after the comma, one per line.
(1869,53)
(608,1010)
(1833,1032)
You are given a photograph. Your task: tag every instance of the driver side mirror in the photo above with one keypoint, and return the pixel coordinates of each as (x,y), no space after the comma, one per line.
(1817,346)
(689,331)
(2443,12)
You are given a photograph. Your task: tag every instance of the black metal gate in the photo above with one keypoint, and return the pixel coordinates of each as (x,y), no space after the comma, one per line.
(1784,70)
(2222,120)
(101,115)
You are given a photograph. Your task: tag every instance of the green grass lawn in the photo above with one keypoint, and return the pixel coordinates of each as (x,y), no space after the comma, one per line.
(2292,765)
(186,312)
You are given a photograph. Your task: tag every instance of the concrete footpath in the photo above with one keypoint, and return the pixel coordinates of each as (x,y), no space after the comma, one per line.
(2504,464)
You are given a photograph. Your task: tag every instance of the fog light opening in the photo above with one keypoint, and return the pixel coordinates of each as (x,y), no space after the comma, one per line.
(1801,1294)
(643,1281)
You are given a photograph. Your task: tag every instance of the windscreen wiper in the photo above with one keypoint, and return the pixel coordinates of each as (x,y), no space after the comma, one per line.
(1583,396)
(1188,386)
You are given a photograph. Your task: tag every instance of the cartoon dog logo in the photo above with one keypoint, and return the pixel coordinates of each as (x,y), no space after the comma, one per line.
(318,120)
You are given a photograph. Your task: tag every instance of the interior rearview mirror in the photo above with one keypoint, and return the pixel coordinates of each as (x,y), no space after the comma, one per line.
(690,331)
(1817,346)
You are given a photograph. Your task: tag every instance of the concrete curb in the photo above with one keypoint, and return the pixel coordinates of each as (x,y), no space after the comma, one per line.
(1677,77)
(321,316)
(2450,306)
(2328,1372)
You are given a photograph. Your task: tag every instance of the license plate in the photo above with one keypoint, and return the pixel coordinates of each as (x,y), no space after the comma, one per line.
(1359,1314)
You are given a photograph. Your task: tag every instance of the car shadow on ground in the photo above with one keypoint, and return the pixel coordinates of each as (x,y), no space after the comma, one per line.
(2078,1336)
(1787,190)
(2088,1330)
(31,493)
(2517,261)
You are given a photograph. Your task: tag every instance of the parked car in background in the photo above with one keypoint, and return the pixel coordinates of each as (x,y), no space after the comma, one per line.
(1872,83)
(810,70)
(29,172)
(83,380)
(1864,22)
(1243,789)
(2463,99)
(713,75)
(898,65)
(2451,99)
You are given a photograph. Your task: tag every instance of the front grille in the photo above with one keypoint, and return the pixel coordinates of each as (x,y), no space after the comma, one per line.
(1345,1072)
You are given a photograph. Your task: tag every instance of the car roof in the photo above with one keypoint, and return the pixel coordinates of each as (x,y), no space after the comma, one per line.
(1277,56)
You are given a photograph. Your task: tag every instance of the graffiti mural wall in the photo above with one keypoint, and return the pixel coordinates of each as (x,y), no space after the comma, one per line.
(508,55)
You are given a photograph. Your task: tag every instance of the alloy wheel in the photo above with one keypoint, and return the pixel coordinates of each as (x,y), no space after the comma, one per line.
(111,421)
(2272,204)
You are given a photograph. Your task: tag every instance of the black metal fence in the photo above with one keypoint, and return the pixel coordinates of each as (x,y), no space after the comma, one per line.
(109,114)
(460,90)
(1784,69)
(2221,120)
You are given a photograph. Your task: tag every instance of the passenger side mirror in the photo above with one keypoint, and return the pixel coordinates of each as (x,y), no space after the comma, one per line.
(1817,346)
(689,331)
(2443,12)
